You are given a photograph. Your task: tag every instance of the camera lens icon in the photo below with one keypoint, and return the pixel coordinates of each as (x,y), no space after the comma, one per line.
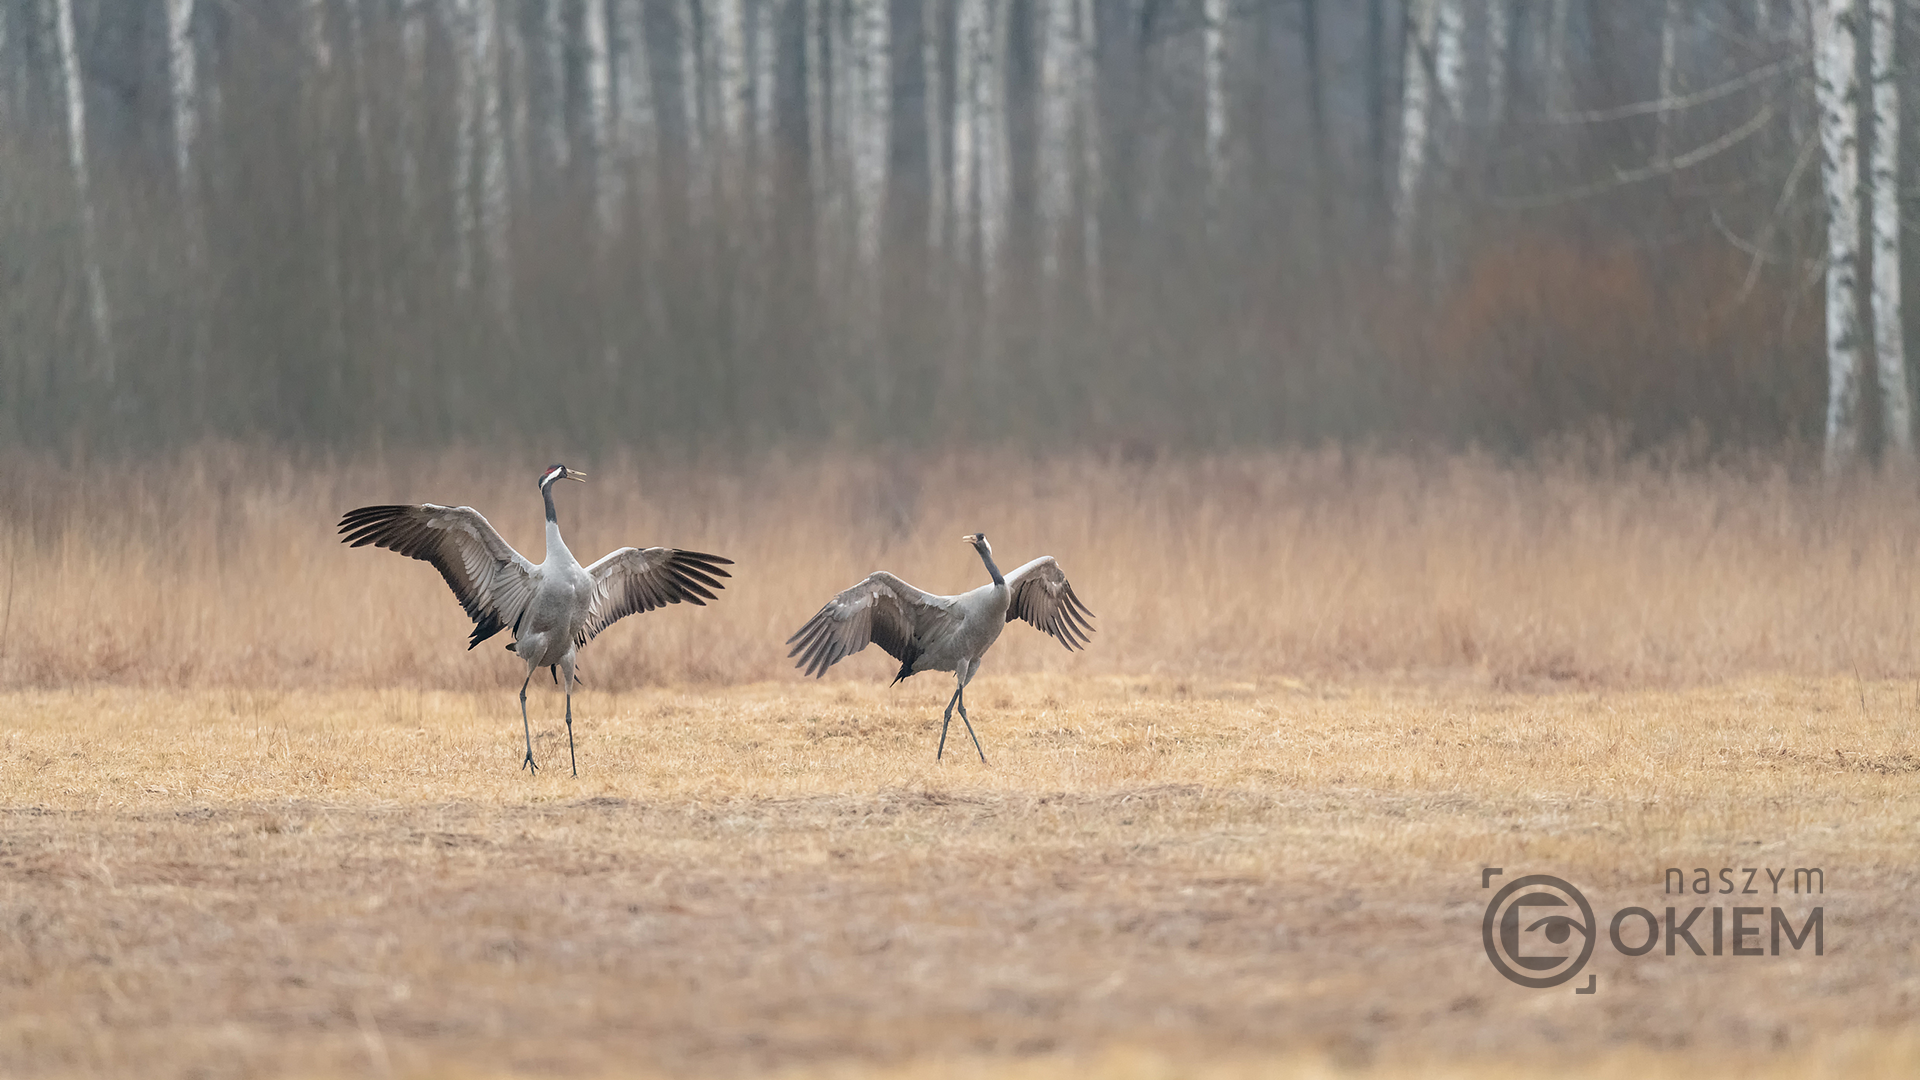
(1539,931)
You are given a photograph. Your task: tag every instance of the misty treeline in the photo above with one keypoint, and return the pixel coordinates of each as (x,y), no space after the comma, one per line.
(1118,223)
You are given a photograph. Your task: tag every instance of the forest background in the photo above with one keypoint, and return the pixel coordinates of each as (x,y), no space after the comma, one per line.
(1125,225)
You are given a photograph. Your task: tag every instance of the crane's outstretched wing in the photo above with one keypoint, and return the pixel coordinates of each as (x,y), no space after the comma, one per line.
(640,579)
(492,581)
(882,609)
(1042,596)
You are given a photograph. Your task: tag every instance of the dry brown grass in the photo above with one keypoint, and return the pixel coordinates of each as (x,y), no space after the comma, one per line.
(1241,836)
(221,568)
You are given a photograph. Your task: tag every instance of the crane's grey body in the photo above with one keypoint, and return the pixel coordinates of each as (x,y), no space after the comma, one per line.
(556,615)
(929,632)
(553,608)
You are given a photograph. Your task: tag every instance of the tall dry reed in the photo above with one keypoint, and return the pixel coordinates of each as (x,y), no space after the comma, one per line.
(220,566)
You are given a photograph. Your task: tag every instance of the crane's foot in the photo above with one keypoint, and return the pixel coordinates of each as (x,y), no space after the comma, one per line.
(529,765)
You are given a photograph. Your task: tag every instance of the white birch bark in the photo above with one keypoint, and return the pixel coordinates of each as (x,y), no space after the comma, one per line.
(554,31)
(99,309)
(181,65)
(609,193)
(465,132)
(970,26)
(726,41)
(1449,58)
(822,181)
(495,206)
(1213,64)
(413,79)
(1093,183)
(636,117)
(995,152)
(1883,178)
(183,68)
(844,114)
(699,178)
(1415,120)
(518,94)
(1054,149)
(1559,85)
(932,73)
(314,26)
(765,53)
(362,108)
(1836,87)
(868,142)
(1499,35)
(730,77)
(1669,78)
(8,93)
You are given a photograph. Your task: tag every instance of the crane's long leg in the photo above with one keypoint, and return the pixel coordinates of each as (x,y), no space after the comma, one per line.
(948,719)
(960,696)
(527,727)
(570,759)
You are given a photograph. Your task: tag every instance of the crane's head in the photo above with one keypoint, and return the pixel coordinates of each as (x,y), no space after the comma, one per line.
(979,542)
(560,472)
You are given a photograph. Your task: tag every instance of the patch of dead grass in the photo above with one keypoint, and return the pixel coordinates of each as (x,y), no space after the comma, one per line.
(1161,878)
(260,813)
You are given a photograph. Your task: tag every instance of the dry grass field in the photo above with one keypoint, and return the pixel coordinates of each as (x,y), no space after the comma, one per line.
(260,812)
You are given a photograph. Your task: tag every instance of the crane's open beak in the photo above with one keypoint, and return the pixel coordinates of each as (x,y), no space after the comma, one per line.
(573,474)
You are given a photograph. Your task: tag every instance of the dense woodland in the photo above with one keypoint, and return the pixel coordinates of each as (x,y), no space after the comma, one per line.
(1114,223)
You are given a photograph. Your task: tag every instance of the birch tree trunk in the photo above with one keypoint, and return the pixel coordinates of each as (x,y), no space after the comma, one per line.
(869,143)
(1093,189)
(1499,39)
(1415,119)
(932,73)
(969,28)
(822,178)
(638,124)
(729,38)
(609,192)
(1883,178)
(1449,60)
(495,205)
(1559,83)
(413,79)
(465,131)
(8,70)
(766,46)
(1316,91)
(1377,100)
(99,309)
(996,172)
(1669,78)
(554,31)
(1836,86)
(183,69)
(186,110)
(1213,64)
(699,178)
(517,94)
(872,82)
(1054,149)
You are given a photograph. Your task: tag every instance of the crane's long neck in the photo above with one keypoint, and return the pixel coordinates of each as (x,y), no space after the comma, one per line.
(986,556)
(555,545)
